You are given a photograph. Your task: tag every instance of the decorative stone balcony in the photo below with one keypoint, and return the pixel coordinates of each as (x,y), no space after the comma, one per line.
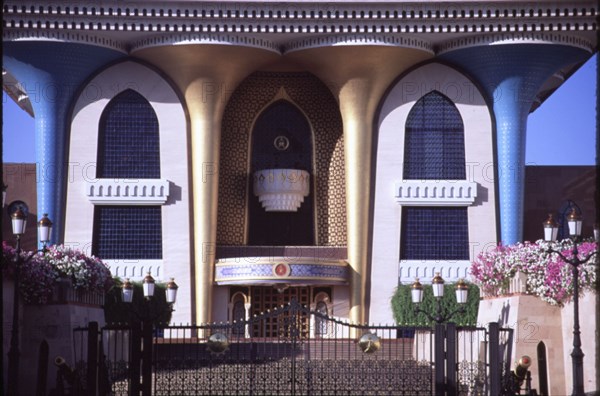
(435,192)
(281,190)
(127,191)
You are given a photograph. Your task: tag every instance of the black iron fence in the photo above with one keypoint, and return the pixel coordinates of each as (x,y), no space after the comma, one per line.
(312,354)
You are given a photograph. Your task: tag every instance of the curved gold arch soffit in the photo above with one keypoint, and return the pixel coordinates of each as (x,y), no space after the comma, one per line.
(62,37)
(339,59)
(516,38)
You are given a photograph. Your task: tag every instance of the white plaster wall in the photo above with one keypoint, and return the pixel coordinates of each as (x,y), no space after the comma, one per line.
(176,261)
(386,268)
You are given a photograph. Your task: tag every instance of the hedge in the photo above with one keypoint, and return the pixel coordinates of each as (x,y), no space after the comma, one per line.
(404,310)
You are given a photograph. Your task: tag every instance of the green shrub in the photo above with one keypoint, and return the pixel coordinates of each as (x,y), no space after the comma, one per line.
(155,309)
(404,310)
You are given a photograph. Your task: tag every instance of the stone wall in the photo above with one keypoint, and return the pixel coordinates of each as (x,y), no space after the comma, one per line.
(535,321)
(53,322)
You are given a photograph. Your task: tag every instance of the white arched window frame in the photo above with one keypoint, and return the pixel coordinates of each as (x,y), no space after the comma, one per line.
(321,327)
(239,313)
(171,191)
(476,193)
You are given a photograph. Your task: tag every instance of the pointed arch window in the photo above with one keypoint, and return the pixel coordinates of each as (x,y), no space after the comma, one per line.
(434,149)
(128,148)
(434,146)
(128,145)
(321,323)
(238,314)
(282,121)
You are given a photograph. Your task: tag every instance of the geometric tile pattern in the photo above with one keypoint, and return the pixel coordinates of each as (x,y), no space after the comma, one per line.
(247,102)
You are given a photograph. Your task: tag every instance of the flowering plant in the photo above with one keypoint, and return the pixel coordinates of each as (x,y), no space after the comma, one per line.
(41,273)
(548,276)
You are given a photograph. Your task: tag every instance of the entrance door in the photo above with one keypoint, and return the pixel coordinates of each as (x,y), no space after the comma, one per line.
(267,298)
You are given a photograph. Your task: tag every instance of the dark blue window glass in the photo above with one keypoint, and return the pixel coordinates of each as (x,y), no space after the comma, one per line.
(432,233)
(128,145)
(434,146)
(127,232)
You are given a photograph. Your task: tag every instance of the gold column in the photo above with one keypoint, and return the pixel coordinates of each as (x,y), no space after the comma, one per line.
(206,74)
(358,76)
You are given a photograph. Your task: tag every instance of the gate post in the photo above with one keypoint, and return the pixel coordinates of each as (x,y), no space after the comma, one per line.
(451,388)
(135,359)
(439,357)
(42,373)
(495,359)
(92,360)
(147,328)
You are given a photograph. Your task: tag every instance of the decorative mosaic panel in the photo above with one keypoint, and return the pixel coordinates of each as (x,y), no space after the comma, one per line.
(247,102)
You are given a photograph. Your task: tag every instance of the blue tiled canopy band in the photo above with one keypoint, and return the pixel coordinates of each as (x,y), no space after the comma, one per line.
(252,271)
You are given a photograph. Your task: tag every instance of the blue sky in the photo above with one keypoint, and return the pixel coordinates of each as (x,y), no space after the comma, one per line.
(560,132)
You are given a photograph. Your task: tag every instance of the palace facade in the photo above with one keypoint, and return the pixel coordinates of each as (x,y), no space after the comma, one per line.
(263,151)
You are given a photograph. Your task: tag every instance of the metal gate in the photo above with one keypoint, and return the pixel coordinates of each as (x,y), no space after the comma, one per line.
(311,354)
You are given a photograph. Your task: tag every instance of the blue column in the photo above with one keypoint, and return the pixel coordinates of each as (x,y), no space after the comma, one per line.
(511,76)
(52,73)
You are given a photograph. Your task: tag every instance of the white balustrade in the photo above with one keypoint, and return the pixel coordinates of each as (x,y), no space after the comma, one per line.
(435,192)
(127,191)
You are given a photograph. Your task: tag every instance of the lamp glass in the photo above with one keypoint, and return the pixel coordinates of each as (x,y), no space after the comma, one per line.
(575,227)
(148,289)
(437,284)
(148,285)
(574,222)
(44,233)
(19,225)
(416,295)
(171,291)
(171,295)
(127,295)
(461,295)
(44,229)
(550,233)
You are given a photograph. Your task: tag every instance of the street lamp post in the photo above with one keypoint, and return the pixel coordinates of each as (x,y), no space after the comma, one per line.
(550,232)
(437,284)
(141,347)
(18,212)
